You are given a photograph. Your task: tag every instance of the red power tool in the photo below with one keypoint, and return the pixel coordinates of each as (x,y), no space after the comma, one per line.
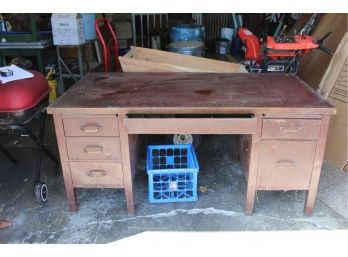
(277,54)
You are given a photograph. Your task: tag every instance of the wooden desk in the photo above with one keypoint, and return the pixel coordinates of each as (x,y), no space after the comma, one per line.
(283,123)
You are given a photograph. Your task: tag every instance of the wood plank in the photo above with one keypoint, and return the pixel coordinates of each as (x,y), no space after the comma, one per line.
(70,190)
(190,125)
(140,59)
(174,93)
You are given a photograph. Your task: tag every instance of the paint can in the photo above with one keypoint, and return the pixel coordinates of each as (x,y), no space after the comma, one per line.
(194,48)
(187,32)
(223,47)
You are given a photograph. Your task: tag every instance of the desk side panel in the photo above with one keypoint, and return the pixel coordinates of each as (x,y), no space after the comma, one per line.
(70,191)
(318,160)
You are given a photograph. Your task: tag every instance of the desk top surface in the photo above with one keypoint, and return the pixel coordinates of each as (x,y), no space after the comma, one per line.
(181,93)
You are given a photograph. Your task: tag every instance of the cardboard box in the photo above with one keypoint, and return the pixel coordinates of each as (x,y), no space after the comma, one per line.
(336,147)
(67,29)
(334,87)
(313,65)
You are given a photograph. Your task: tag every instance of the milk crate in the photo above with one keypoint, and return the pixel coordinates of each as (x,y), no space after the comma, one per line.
(172,172)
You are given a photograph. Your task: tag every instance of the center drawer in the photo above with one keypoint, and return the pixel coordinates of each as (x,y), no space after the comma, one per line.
(93,148)
(190,125)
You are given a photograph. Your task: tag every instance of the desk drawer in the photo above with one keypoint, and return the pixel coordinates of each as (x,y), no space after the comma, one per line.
(93,148)
(291,128)
(96,174)
(90,126)
(190,125)
(285,165)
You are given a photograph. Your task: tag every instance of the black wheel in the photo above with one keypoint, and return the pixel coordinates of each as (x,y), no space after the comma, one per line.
(195,140)
(40,192)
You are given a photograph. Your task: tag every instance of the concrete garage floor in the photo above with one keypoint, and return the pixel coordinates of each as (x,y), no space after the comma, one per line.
(102,216)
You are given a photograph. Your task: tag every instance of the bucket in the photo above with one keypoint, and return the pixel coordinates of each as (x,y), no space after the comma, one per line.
(187,32)
(227,33)
(223,47)
(195,48)
(88,25)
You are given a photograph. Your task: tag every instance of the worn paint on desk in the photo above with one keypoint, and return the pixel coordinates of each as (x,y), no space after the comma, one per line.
(191,93)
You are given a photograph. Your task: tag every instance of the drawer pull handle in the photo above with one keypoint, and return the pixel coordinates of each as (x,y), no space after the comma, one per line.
(91,128)
(96,173)
(93,149)
(286,164)
(290,130)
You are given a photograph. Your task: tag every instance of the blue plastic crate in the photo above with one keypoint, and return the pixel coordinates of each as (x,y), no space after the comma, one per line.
(172,172)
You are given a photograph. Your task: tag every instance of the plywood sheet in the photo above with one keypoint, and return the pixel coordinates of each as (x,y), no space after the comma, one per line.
(140,59)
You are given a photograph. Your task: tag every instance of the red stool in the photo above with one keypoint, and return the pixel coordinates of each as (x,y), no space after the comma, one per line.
(20,102)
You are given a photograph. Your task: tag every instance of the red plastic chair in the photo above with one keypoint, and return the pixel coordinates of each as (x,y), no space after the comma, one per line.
(107,37)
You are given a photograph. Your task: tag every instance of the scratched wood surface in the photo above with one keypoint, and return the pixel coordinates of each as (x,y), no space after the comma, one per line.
(190,93)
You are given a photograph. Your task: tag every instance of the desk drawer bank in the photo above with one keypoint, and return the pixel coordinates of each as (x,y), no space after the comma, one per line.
(283,125)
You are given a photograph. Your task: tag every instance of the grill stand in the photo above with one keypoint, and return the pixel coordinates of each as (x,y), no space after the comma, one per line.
(40,188)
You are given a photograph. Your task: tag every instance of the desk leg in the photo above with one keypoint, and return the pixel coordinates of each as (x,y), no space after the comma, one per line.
(235,147)
(70,190)
(126,164)
(318,160)
(253,164)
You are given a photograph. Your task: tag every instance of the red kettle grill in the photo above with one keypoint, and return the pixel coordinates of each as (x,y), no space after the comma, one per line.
(20,102)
